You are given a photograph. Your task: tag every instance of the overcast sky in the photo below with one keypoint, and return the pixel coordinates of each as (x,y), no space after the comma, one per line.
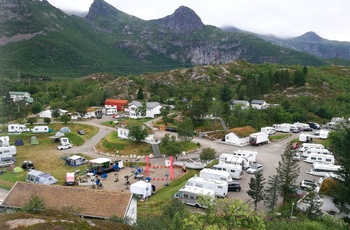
(284,18)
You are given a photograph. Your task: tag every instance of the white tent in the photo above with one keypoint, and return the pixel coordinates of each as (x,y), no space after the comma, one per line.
(141,188)
(45,114)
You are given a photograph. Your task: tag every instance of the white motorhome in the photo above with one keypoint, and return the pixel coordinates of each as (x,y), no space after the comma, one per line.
(234,170)
(218,186)
(323,170)
(17,128)
(4,141)
(305,146)
(215,175)
(252,156)
(310,151)
(284,128)
(40,129)
(326,159)
(269,130)
(258,138)
(226,158)
(322,134)
(8,150)
(189,195)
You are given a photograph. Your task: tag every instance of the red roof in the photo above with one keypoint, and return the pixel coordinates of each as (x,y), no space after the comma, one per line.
(115,102)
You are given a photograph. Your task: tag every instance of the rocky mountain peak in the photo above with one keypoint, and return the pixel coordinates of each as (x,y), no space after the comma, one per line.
(183,20)
(309,37)
(100,8)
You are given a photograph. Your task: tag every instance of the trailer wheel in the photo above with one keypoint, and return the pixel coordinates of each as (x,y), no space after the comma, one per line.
(238,189)
(197,206)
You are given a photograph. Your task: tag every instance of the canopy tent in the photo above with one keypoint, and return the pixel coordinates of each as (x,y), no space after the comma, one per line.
(34,140)
(19,142)
(65,130)
(58,135)
(75,160)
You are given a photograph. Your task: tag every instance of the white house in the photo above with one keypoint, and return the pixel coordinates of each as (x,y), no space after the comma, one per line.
(259,104)
(152,109)
(232,138)
(123,133)
(244,104)
(20,96)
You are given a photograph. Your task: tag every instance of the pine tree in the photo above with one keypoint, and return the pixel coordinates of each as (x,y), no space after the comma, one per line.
(287,173)
(314,204)
(256,188)
(271,193)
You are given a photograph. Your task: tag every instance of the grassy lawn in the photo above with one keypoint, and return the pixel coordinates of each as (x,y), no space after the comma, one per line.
(279,137)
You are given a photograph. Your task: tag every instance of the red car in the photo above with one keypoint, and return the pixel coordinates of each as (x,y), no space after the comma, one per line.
(294,145)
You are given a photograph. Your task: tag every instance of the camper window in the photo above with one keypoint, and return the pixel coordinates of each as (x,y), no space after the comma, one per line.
(233,171)
(199,185)
(220,187)
(186,196)
(223,178)
(191,196)
(329,160)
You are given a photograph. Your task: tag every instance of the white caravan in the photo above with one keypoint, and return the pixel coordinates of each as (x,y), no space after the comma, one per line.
(218,186)
(322,158)
(323,170)
(258,138)
(4,141)
(302,126)
(226,158)
(9,150)
(234,170)
(284,128)
(17,128)
(40,129)
(308,152)
(252,156)
(189,195)
(305,146)
(322,134)
(111,111)
(215,175)
(269,130)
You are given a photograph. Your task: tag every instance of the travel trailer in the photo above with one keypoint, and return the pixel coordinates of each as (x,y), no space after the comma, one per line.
(326,159)
(308,152)
(303,126)
(8,151)
(4,141)
(284,128)
(189,195)
(111,111)
(268,130)
(218,186)
(305,146)
(258,138)
(234,170)
(322,134)
(17,128)
(215,175)
(40,129)
(323,170)
(252,156)
(226,158)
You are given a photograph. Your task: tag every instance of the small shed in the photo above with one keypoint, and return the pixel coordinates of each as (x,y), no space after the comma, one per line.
(19,142)
(35,176)
(65,130)
(75,160)
(34,140)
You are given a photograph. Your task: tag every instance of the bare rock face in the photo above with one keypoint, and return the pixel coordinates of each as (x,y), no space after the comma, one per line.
(12,10)
(183,20)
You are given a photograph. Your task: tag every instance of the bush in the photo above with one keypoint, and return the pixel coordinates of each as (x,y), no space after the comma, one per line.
(34,205)
(47,120)
(32,120)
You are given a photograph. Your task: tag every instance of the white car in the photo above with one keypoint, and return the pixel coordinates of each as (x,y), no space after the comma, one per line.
(66,146)
(254,168)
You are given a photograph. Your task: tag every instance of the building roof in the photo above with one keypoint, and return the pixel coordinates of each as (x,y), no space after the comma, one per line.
(235,102)
(92,202)
(149,105)
(17,93)
(115,101)
(260,102)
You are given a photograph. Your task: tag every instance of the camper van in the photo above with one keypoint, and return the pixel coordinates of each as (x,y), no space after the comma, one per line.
(17,128)
(252,156)
(305,146)
(308,152)
(326,159)
(258,138)
(40,129)
(218,186)
(284,128)
(234,170)
(268,130)
(9,150)
(226,158)
(4,141)
(323,170)
(189,195)
(215,175)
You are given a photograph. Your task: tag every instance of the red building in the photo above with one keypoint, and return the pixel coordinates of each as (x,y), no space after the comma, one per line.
(120,105)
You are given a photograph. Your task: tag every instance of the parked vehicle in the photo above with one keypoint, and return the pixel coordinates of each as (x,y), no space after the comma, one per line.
(308,184)
(234,186)
(303,126)
(40,129)
(323,170)
(64,144)
(81,132)
(252,156)
(254,168)
(28,165)
(170,129)
(258,138)
(87,180)
(17,128)
(269,130)
(284,128)
(218,186)
(215,175)
(8,151)
(295,156)
(4,141)
(100,166)
(308,152)
(327,159)
(189,195)
(226,158)
(70,178)
(314,125)
(111,112)
(234,170)
(322,134)
(305,146)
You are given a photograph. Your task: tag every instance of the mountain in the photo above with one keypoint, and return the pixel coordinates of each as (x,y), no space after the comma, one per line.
(39,39)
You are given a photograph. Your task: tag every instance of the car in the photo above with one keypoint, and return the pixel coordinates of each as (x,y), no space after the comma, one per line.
(294,145)
(295,130)
(234,186)
(170,129)
(308,184)
(81,132)
(66,146)
(295,156)
(314,125)
(254,168)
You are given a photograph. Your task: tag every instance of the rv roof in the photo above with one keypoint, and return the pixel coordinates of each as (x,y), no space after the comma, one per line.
(203,191)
